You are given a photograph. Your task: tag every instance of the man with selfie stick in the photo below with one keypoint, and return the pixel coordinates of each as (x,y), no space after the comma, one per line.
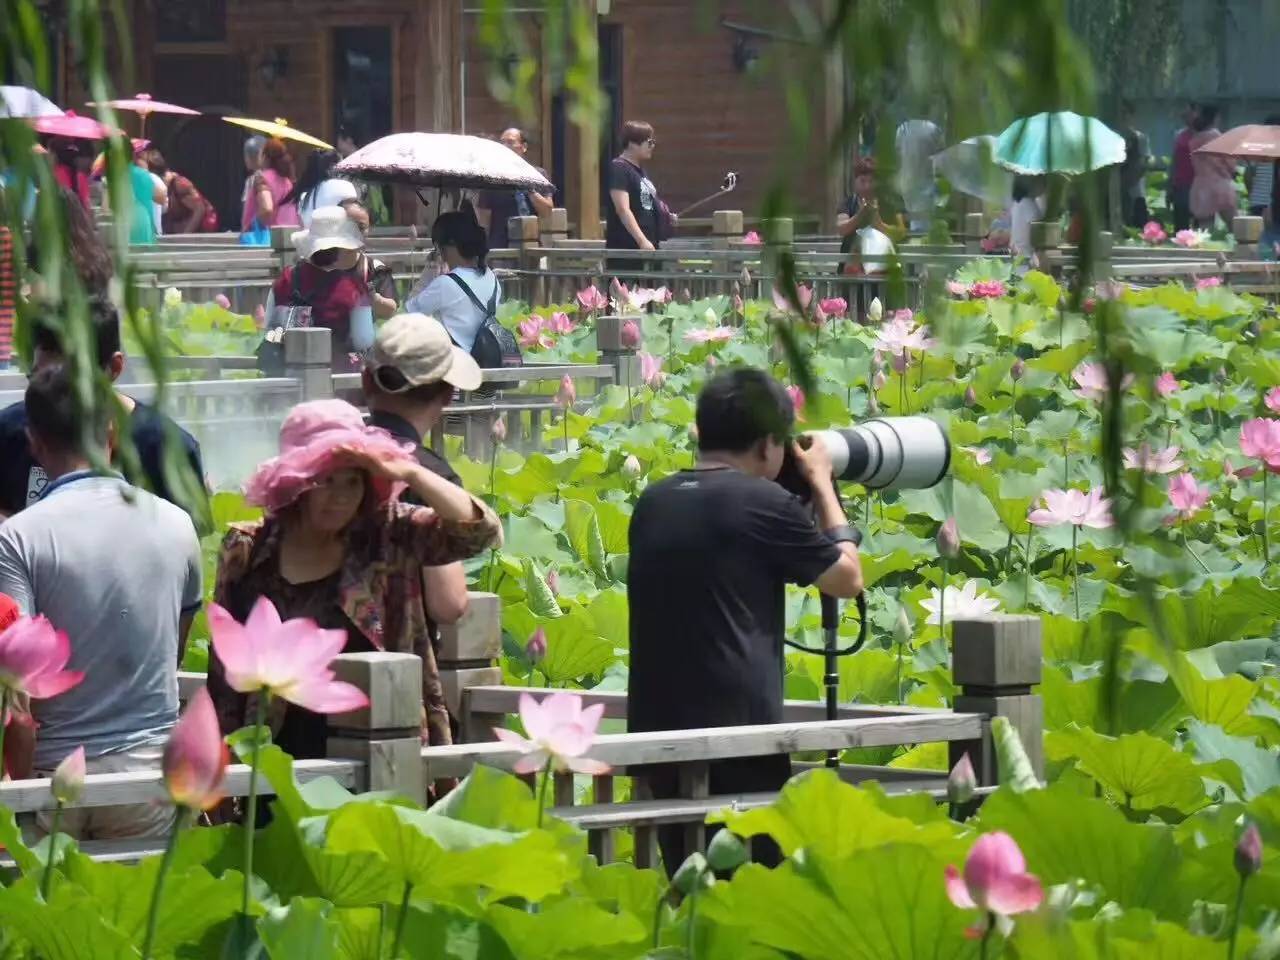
(712,549)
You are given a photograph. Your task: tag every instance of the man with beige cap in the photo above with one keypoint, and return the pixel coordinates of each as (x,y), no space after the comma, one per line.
(409,378)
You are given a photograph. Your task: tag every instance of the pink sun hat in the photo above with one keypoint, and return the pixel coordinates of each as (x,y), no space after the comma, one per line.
(311,438)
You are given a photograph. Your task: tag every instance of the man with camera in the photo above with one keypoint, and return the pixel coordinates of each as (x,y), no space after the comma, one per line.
(712,549)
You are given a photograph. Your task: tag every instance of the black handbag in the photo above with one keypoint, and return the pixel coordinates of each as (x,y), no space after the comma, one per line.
(297,313)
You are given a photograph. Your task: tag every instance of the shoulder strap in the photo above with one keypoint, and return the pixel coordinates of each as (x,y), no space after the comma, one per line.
(295,298)
(492,309)
(471,295)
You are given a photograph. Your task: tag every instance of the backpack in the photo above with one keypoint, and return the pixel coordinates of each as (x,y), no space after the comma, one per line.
(495,345)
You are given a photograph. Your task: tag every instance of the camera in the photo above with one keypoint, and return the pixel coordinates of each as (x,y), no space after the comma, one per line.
(887,453)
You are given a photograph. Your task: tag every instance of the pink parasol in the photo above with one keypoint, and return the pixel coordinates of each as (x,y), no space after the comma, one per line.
(143,105)
(74,126)
(1252,140)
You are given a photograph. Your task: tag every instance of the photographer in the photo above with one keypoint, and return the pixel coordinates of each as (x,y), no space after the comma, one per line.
(712,549)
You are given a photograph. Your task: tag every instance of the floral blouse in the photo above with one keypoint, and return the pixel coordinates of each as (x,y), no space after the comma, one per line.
(378,588)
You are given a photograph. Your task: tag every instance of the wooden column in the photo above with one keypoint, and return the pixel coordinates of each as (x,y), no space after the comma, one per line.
(975,228)
(438,57)
(996,661)
(584,188)
(308,358)
(525,235)
(609,345)
(467,657)
(386,734)
(836,181)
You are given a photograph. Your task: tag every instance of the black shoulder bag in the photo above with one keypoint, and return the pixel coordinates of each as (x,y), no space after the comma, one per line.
(495,345)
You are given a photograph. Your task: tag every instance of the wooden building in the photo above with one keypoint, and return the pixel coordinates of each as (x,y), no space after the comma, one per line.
(695,69)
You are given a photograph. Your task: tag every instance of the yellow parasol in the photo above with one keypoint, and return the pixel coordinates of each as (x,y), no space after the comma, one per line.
(279,128)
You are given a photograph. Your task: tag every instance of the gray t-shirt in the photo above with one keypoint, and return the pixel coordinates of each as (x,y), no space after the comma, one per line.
(114,567)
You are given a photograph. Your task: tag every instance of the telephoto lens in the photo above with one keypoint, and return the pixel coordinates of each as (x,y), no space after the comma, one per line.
(889,453)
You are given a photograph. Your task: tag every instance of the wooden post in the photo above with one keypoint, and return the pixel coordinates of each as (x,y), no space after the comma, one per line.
(584,191)
(996,660)
(555,226)
(525,234)
(1247,231)
(609,345)
(385,734)
(726,227)
(308,358)
(466,658)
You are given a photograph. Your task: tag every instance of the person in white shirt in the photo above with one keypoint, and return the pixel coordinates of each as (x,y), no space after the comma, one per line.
(463,245)
(1029,205)
(317,187)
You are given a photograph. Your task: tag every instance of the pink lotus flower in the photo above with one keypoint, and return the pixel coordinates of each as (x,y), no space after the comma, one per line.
(1272,399)
(1079,509)
(905,314)
(1092,380)
(289,660)
(1167,384)
(1208,283)
(1188,238)
(591,299)
(957,289)
(536,648)
(651,370)
(532,333)
(1185,496)
(900,362)
(987,289)
(878,381)
(900,334)
(1230,474)
(1152,461)
(1090,304)
(68,778)
(260,316)
(1260,440)
(803,293)
(834,306)
(567,395)
(33,660)
(1154,233)
(559,732)
(819,316)
(797,400)
(753,238)
(222,301)
(196,757)
(981,455)
(995,880)
(629,335)
(560,323)
(709,335)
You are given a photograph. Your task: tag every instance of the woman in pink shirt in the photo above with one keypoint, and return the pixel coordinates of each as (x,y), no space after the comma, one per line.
(274,182)
(1213,191)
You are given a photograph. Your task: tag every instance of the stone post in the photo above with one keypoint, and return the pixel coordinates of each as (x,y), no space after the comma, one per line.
(282,245)
(467,657)
(975,228)
(1102,250)
(308,358)
(555,226)
(726,227)
(1046,237)
(996,660)
(779,237)
(386,735)
(1247,231)
(525,234)
(609,345)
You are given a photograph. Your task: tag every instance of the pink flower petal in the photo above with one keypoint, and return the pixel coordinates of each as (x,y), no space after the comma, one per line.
(530,762)
(322,695)
(587,765)
(957,892)
(51,684)
(1016,893)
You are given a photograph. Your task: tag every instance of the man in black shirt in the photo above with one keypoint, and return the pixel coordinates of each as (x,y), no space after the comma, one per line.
(635,219)
(495,207)
(712,549)
(408,381)
(22,480)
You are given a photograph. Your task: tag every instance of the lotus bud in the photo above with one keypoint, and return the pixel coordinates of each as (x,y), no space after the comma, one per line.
(726,851)
(196,757)
(553,582)
(222,301)
(737,289)
(877,359)
(948,540)
(68,778)
(878,381)
(567,394)
(630,335)
(875,312)
(536,649)
(711,317)
(172,297)
(689,877)
(686,297)
(970,397)
(738,305)
(961,783)
(1248,855)
(819,316)
(902,628)
(901,361)
(498,432)
(1018,370)
(631,467)
(745,279)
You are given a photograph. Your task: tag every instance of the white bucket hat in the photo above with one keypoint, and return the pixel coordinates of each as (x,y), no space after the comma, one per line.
(331,229)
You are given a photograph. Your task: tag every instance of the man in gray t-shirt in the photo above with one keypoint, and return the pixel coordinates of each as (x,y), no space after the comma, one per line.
(119,571)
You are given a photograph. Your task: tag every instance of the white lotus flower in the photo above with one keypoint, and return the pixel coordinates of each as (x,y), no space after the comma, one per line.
(172,297)
(959,603)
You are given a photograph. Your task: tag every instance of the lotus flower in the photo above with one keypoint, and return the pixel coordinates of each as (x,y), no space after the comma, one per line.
(629,335)
(712,335)
(1260,440)
(222,301)
(498,431)
(797,400)
(1018,370)
(591,299)
(1208,283)
(745,278)
(803,294)
(905,314)
(68,778)
(957,289)
(536,649)
(553,582)
(834,306)
(901,334)
(1185,496)
(196,756)
(819,316)
(753,239)
(560,732)
(738,305)
(1090,509)
(1154,233)
(567,395)
(1188,238)
(1272,399)
(631,467)
(560,323)
(959,604)
(987,289)
(878,381)
(995,879)
(1230,474)
(33,660)
(1152,461)
(981,455)
(970,396)
(1167,384)
(685,297)
(289,659)
(172,297)
(533,334)
(1092,380)
(650,370)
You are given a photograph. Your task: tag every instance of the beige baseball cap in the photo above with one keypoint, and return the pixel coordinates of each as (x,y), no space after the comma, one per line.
(418,346)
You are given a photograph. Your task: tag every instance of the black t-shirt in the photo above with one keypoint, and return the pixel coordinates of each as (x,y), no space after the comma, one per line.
(404,431)
(22,480)
(850,209)
(711,551)
(502,206)
(625,175)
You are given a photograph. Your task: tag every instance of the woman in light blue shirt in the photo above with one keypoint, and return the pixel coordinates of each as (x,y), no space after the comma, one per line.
(462,243)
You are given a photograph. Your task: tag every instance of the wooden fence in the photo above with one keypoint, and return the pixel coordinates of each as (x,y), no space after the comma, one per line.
(996,663)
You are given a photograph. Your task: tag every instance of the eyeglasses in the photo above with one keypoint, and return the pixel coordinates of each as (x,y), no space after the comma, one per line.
(651,142)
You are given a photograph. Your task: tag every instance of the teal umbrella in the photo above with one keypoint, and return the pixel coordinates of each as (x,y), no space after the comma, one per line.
(1062,142)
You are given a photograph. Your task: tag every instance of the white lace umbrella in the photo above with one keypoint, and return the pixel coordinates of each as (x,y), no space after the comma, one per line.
(449,160)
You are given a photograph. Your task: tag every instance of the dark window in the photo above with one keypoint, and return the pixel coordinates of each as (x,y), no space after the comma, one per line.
(362,94)
(191,21)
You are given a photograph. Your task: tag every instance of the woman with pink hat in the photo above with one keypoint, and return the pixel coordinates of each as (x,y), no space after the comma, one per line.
(336,546)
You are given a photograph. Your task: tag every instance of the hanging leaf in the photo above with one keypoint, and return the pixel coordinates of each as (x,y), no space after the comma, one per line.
(541,601)
(1011,755)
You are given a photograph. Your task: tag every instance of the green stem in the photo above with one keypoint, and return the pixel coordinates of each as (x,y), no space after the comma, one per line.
(1013,420)
(404,914)
(1266,546)
(1066,465)
(1186,546)
(899,671)
(47,878)
(566,430)
(4,718)
(1075,567)
(657,915)
(986,936)
(542,791)
(691,929)
(1026,587)
(1235,919)
(942,601)
(153,916)
(251,808)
